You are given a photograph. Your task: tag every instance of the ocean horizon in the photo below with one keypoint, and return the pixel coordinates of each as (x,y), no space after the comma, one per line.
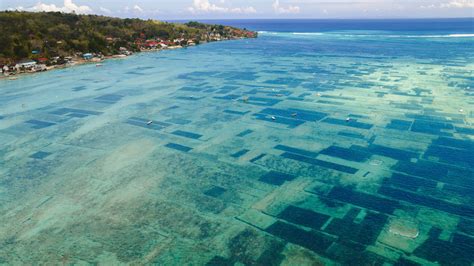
(321,142)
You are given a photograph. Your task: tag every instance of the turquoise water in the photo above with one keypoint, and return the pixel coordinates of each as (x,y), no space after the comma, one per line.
(344,146)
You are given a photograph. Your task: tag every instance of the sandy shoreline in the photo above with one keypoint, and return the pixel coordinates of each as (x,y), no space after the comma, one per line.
(79,61)
(76,62)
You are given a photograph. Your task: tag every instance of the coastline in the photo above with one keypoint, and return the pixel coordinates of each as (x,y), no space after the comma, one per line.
(77,62)
(80,61)
(111,36)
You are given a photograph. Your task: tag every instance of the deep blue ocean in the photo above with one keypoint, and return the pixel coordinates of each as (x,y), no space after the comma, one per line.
(406,26)
(321,142)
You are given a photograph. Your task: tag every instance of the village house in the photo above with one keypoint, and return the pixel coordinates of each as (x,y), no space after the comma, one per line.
(87,56)
(5,69)
(25,64)
(40,67)
(42,60)
(151,44)
(124,51)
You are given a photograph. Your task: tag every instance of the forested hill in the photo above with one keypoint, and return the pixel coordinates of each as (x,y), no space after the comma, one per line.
(46,34)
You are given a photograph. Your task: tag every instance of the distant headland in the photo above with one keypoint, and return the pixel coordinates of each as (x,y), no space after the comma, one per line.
(33,42)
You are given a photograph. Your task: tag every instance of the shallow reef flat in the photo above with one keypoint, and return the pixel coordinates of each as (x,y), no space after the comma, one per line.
(281,150)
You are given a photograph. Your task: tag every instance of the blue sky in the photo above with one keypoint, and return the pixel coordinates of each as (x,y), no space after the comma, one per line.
(219,9)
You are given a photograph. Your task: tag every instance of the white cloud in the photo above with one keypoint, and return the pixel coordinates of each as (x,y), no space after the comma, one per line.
(18,8)
(452,4)
(137,8)
(105,10)
(459,4)
(243,10)
(68,7)
(204,6)
(284,10)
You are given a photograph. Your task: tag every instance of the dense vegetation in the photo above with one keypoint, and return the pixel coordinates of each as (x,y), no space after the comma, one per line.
(59,34)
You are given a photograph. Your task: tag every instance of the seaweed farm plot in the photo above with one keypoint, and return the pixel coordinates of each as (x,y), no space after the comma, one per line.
(290,149)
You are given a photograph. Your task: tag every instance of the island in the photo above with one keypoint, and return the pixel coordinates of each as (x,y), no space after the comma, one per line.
(33,42)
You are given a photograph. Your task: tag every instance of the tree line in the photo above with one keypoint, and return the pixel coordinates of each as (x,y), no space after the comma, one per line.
(46,34)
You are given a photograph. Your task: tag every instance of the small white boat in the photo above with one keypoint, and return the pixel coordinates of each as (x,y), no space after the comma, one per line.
(149,123)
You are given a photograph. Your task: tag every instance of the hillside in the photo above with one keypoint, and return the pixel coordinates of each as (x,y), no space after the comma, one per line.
(47,34)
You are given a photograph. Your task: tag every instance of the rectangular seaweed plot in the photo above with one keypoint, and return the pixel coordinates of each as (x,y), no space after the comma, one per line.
(260,101)
(109,98)
(186,134)
(178,147)
(258,157)
(453,156)
(329,165)
(464,144)
(296,150)
(465,130)
(69,111)
(244,133)
(276,178)
(438,172)
(300,114)
(227,97)
(178,121)
(303,217)
(192,88)
(437,204)
(291,123)
(392,152)
(144,123)
(351,214)
(351,123)
(79,88)
(429,170)
(349,134)
(466,226)
(365,233)
(347,154)
(37,124)
(240,153)
(338,97)
(77,115)
(430,127)
(40,155)
(215,191)
(220,261)
(233,112)
(399,124)
(226,89)
(364,200)
(409,182)
(457,252)
(311,240)
(189,98)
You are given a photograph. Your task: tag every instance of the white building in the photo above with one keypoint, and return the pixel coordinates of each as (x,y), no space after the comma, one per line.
(26,64)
